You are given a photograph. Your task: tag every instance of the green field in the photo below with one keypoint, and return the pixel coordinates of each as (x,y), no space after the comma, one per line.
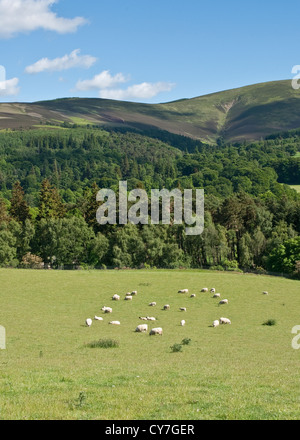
(245,370)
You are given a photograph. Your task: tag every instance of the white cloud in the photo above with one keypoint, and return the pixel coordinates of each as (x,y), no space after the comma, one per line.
(9,87)
(102,81)
(64,63)
(28,15)
(144,90)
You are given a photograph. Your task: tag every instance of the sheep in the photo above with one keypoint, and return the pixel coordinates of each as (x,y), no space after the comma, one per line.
(205,289)
(183,291)
(97,318)
(182,309)
(213,290)
(88,322)
(225,321)
(217,295)
(193,296)
(128,298)
(156,331)
(265,293)
(115,323)
(224,301)
(216,323)
(151,318)
(134,293)
(167,307)
(182,323)
(143,318)
(116,298)
(142,328)
(106,309)
(152,304)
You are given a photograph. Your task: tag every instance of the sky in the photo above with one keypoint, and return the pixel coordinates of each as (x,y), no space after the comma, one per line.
(148,51)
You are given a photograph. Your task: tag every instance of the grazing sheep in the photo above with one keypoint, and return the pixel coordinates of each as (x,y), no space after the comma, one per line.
(97,318)
(217,295)
(152,304)
(216,323)
(128,298)
(134,293)
(223,301)
(167,307)
(205,289)
(142,328)
(143,318)
(193,296)
(265,293)
(116,298)
(182,323)
(106,309)
(183,291)
(115,323)
(213,290)
(88,322)
(156,331)
(183,309)
(225,321)
(151,318)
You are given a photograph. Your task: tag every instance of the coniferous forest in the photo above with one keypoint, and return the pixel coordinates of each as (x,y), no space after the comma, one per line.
(49,179)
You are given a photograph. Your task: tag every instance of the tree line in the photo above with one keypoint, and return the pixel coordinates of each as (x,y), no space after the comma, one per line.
(49,181)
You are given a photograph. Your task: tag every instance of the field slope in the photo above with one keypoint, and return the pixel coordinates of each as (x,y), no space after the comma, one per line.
(245,370)
(247,113)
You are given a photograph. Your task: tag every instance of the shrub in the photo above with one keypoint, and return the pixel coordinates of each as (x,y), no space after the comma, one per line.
(176,348)
(270,322)
(186,341)
(103,343)
(31,261)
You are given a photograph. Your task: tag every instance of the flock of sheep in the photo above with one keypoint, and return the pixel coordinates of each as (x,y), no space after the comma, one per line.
(143,328)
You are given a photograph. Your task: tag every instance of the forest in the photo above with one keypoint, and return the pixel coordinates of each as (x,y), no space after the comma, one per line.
(49,179)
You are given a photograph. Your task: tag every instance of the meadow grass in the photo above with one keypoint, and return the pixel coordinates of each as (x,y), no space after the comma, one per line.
(245,370)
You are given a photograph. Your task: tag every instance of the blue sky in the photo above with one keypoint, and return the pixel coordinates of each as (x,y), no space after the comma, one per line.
(142,50)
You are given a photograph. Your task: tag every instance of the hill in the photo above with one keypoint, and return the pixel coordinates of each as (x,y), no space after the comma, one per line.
(247,113)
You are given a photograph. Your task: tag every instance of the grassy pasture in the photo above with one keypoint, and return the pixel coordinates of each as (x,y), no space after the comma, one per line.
(245,370)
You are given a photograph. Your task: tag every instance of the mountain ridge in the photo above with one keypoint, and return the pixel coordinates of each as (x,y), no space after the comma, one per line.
(246,113)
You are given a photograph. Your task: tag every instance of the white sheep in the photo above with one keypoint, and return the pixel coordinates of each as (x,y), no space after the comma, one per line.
(115,323)
(134,293)
(225,321)
(156,331)
(265,293)
(116,298)
(106,309)
(182,323)
(143,318)
(167,307)
(88,322)
(128,298)
(217,295)
(205,289)
(182,309)
(151,318)
(223,301)
(216,323)
(152,304)
(213,290)
(97,318)
(193,295)
(142,328)
(183,291)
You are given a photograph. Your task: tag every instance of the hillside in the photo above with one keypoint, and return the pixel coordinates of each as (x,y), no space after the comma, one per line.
(247,113)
